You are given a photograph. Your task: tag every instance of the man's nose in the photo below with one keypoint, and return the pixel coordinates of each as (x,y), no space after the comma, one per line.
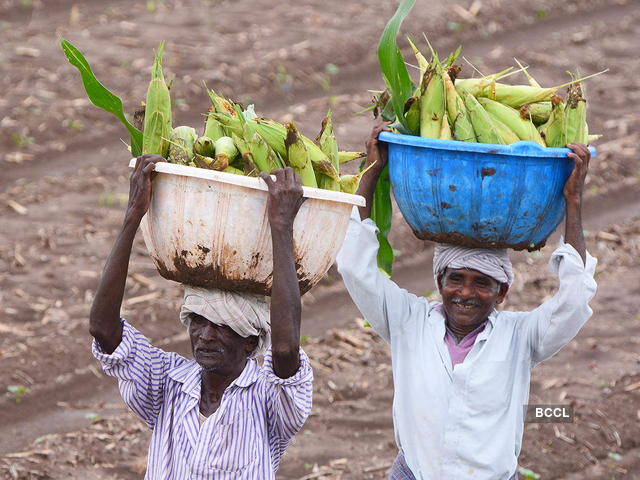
(209,332)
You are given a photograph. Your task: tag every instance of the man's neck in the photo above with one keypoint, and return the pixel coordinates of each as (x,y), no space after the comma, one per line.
(461,331)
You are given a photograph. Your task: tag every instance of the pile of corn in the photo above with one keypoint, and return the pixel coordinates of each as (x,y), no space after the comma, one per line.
(485,111)
(237,141)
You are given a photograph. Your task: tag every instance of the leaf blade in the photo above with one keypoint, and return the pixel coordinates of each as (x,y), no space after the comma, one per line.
(99,95)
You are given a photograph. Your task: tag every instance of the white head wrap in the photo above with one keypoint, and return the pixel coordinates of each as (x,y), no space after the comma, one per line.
(246,314)
(492,262)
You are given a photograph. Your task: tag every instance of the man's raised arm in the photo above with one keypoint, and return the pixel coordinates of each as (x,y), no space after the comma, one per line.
(285,198)
(573,197)
(104,319)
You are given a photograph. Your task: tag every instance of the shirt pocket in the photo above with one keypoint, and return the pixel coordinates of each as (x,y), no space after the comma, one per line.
(233,446)
(490,386)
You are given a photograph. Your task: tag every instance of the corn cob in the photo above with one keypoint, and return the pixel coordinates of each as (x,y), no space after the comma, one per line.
(483,125)
(555,130)
(475,86)
(350,183)
(329,146)
(230,122)
(524,129)
(226,150)
(345,157)
(518,95)
(576,115)
(212,127)
(458,116)
(251,168)
(157,121)
(233,170)
(204,146)
(298,156)
(423,64)
(538,113)
(504,130)
(432,102)
(412,114)
(181,141)
(445,129)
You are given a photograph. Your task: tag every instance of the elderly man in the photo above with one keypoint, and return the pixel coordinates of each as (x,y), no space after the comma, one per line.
(219,415)
(461,369)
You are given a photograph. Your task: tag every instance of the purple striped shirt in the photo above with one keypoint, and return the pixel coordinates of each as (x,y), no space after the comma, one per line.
(244,439)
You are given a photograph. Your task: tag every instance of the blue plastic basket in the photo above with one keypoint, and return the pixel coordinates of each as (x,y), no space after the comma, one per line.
(479,195)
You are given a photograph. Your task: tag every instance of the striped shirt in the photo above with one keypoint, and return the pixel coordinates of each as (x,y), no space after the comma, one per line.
(244,439)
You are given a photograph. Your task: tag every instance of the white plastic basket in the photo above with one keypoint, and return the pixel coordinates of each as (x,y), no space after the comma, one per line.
(210,229)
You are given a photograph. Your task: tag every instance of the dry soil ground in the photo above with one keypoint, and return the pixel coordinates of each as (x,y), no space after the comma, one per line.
(64,185)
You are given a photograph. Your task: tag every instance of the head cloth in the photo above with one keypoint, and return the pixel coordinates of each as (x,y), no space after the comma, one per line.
(492,262)
(246,314)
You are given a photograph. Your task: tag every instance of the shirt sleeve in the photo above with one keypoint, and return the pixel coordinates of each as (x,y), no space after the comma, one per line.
(288,401)
(141,372)
(554,324)
(382,303)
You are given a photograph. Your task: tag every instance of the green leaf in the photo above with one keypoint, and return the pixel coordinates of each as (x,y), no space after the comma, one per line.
(381,213)
(392,64)
(99,95)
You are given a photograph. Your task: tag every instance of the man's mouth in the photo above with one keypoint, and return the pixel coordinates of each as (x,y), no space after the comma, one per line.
(465,304)
(209,351)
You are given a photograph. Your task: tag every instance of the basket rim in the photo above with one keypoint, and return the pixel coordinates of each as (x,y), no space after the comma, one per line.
(255,183)
(519,149)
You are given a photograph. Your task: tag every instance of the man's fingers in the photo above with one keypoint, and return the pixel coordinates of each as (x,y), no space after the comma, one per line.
(267,179)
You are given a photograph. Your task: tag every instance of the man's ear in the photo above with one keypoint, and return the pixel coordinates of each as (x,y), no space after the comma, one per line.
(504,288)
(252,344)
(440,277)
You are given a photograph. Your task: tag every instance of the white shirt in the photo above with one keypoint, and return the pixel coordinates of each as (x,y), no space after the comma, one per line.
(462,422)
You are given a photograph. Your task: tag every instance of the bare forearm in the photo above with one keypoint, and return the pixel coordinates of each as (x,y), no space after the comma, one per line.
(286,308)
(573,227)
(366,189)
(104,319)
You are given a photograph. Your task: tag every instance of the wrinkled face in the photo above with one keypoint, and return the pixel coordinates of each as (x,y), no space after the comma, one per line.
(469,296)
(217,347)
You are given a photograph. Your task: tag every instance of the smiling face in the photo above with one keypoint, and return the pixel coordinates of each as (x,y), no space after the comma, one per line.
(218,348)
(469,296)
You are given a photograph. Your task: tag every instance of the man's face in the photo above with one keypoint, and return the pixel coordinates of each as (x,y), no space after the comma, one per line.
(217,347)
(469,296)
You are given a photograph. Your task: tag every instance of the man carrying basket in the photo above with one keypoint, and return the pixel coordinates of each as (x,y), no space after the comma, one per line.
(219,415)
(462,369)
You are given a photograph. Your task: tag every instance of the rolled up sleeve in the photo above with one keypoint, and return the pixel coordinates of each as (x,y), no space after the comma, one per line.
(289,400)
(141,372)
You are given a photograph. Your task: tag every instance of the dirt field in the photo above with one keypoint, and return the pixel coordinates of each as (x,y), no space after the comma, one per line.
(64,185)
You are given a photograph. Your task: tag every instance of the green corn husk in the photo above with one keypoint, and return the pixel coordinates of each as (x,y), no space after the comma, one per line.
(412,115)
(445,129)
(233,170)
(458,116)
(230,122)
(157,121)
(329,146)
(181,141)
(538,113)
(483,125)
(422,63)
(298,156)
(226,150)
(263,155)
(213,129)
(350,183)
(475,86)
(432,101)
(504,130)
(251,168)
(204,146)
(524,129)
(344,157)
(555,130)
(532,81)
(518,95)
(221,104)
(576,115)
(218,163)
